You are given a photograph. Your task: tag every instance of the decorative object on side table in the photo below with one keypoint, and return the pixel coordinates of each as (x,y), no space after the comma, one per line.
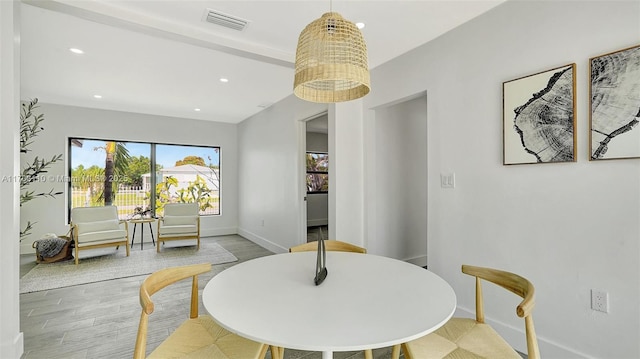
(141,216)
(140,213)
(539,117)
(614,93)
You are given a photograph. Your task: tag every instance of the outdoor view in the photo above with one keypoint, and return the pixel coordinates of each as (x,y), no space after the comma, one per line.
(317,172)
(119,173)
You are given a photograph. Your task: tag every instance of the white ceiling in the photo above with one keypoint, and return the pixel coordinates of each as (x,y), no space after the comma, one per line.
(161,58)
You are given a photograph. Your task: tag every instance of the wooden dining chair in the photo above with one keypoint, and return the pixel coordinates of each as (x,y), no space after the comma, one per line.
(197,337)
(330,245)
(472,338)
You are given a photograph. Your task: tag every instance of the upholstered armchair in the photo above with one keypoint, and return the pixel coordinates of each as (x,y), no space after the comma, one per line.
(97,227)
(180,221)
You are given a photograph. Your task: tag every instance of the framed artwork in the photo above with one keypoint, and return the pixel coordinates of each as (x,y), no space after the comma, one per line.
(614,94)
(539,117)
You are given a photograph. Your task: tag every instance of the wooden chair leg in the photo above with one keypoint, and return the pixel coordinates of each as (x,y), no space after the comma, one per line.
(407,352)
(277,352)
(263,352)
(395,352)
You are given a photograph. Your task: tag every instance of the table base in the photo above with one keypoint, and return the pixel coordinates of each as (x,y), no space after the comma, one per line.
(133,237)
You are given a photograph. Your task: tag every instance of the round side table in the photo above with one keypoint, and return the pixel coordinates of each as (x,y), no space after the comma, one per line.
(142,221)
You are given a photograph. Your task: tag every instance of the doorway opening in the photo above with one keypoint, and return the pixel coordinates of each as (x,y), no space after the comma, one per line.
(317,177)
(397,195)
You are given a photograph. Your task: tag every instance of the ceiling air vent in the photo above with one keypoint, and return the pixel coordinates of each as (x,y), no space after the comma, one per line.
(226,20)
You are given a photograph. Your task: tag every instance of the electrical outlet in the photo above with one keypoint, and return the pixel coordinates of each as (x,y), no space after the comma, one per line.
(600,300)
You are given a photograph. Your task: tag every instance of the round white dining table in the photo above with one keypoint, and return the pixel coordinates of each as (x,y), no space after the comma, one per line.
(366,301)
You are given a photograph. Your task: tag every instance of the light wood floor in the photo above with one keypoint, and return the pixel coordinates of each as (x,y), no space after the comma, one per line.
(100,320)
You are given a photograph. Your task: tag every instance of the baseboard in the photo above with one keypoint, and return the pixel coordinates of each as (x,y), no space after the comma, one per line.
(261,241)
(13,350)
(225,231)
(419,261)
(516,337)
(317,222)
(26,248)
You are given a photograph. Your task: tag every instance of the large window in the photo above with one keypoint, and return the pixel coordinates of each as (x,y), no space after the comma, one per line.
(317,172)
(130,174)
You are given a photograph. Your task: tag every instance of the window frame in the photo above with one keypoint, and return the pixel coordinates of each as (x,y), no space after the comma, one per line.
(152,169)
(315,172)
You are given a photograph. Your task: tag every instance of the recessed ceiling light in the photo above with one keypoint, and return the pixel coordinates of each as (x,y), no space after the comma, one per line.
(223,79)
(76,51)
(196,109)
(360,25)
(97,96)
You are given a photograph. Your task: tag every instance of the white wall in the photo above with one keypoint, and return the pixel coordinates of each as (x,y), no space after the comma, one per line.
(62,122)
(317,209)
(346,197)
(567,227)
(397,181)
(317,142)
(271,166)
(11,339)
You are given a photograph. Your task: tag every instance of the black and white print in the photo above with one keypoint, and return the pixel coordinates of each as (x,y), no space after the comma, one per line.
(539,117)
(615,105)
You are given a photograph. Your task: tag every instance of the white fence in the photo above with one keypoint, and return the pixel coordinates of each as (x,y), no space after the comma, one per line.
(127,199)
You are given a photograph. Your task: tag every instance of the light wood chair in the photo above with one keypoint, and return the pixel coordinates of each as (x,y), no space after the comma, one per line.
(198,336)
(469,338)
(98,227)
(330,245)
(180,221)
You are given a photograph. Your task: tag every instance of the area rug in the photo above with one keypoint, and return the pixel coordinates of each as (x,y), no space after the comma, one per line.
(114,264)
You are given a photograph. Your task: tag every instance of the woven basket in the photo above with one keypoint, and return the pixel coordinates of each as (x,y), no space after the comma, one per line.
(65,254)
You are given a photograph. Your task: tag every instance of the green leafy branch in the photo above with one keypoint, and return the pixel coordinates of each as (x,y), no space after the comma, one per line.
(197,191)
(30,127)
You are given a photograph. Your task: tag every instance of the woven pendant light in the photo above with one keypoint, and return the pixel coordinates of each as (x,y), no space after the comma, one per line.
(331,61)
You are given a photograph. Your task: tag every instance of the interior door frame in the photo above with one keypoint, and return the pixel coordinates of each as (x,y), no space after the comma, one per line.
(302,173)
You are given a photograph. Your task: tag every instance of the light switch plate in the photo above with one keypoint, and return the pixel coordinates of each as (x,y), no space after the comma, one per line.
(448,180)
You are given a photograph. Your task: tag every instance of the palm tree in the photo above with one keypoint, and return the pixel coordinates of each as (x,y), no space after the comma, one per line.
(110,149)
(115,167)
